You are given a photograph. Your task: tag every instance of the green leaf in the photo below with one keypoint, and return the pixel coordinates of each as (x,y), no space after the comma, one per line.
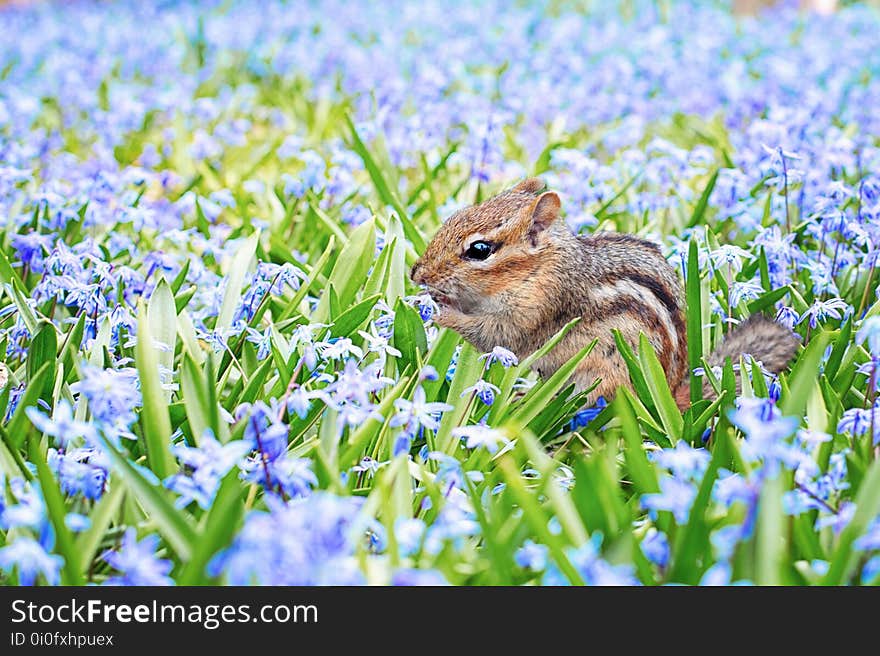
(16,429)
(217,530)
(194,388)
(9,277)
(867,502)
(439,357)
(643,475)
(563,505)
(409,333)
(803,376)
(499,408)
(70,348)
(655,378)
(770,535)
(171,522)
(378,278)
(162,315)
(386,194)
(349,270)
(235,278)
(155,423)
(538,520)
(694,320)
(56,512)
(30,319)
(43,350)
(700,209)
(640,385)
(101,516)
(180,278)
(842,342)
(539,396)
(354,317)
(692,542)
(467,372)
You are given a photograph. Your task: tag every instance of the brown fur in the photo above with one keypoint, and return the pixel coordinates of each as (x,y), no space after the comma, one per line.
(541,276)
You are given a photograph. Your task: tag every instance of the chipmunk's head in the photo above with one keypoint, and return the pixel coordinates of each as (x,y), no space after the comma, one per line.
(485,253)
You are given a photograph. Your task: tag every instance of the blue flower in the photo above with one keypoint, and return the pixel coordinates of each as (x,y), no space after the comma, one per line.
(427,307)
(483,390)
(502,355)
(77,474)
(655,546)
(480,435)
(62,426)
(77,522)
(206,465)
(418,412)
(306,541)
(112,394)
(418,577)
(532,556)
(684,461)
(675,496)
(871,571)
(409,533)
(137,563)
(869,333)
(593,569)
(262,340)
(870,541)
(29,511)
(820,310)
(858,422)
(585,416)
(30,559)
(717,575)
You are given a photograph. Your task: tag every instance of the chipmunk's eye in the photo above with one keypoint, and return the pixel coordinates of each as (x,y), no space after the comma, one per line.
(479,250)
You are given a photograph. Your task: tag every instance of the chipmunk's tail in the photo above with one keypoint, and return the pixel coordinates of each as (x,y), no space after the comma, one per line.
(771,343)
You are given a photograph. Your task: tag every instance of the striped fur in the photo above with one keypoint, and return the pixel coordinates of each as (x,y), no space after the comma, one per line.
(542,276)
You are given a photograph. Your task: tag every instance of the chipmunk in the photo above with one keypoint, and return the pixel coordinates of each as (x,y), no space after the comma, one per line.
(509,272)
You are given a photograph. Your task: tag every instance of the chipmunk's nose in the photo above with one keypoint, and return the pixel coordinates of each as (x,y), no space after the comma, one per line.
(416,274)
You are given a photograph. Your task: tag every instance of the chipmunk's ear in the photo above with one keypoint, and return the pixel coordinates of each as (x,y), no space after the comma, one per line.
(544,212)
(532,186)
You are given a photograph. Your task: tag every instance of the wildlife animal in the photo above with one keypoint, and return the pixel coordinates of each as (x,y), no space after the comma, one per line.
(509,272)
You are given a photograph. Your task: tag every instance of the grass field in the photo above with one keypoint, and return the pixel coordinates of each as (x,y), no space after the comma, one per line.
(217,369)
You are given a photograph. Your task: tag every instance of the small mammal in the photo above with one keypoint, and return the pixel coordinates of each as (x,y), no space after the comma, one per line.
(509,272)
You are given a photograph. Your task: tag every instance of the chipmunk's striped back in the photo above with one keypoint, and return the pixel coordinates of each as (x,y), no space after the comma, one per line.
(508,272)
